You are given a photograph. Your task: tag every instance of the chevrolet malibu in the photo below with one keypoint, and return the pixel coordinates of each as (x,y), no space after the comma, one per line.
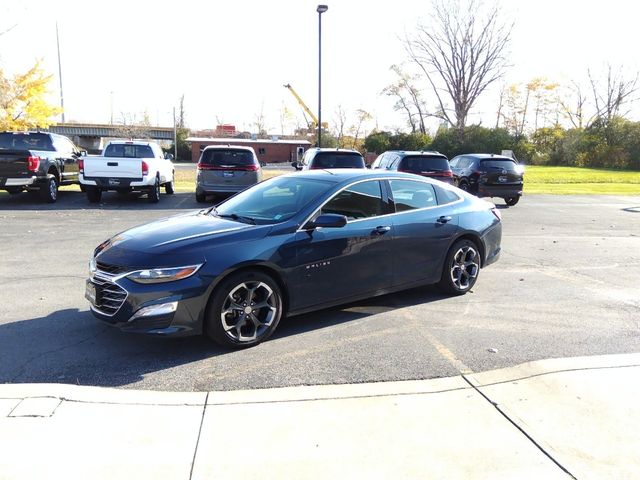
(287,246)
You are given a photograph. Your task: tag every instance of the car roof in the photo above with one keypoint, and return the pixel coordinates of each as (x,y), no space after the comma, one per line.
(406,153)
(484,156)
(229,147)
(339,175)
(131,142)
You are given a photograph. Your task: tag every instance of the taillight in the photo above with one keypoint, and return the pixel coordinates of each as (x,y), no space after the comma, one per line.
(448,174)
(33,163)
(229,168)
(145,168)
(497,213)
(81,166)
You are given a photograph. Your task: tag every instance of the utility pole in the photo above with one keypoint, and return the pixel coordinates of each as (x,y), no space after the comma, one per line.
(60,74)
(175,136)
(321,9)
(112,107)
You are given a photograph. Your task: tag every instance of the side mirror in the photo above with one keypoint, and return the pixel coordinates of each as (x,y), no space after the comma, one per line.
(368,166)
(328,220)
(168,156)
(83,153)
(296,165)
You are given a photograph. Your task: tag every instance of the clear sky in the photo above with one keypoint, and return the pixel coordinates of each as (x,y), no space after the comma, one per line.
(231,58)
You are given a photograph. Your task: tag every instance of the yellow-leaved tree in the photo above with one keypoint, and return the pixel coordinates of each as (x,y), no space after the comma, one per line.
(22,100)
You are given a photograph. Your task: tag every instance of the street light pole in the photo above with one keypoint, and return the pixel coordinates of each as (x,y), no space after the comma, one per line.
(60,72)
(175,136)
(321,9)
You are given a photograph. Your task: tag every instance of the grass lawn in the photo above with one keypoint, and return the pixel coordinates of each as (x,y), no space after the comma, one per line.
(576,181)
(185,180)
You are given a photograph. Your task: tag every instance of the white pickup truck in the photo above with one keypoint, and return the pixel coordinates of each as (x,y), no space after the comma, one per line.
(125,166)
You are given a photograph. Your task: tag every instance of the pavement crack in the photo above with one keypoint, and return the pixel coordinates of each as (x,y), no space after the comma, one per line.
(513,422)
(195,450)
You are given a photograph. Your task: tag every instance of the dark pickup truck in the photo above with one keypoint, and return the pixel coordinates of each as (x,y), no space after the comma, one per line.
(38,162)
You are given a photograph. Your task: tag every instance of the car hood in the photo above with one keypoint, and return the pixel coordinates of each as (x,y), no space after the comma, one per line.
(176,236)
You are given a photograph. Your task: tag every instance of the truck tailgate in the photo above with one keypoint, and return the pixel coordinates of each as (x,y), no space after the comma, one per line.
(112,167)
(13,163)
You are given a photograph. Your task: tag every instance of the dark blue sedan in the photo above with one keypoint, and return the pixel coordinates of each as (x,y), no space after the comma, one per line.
(290,245)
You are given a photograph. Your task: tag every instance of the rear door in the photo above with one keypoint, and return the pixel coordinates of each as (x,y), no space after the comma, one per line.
(339,263)
(423,231)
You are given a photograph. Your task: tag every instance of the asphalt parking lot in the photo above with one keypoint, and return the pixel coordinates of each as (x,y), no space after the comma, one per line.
(566,285)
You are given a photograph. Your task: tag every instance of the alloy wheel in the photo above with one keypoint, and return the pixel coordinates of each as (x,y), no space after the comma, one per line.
(248,311)
(464,267)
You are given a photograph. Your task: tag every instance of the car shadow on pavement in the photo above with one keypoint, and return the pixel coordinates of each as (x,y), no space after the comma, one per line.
(70,346)
(76,200)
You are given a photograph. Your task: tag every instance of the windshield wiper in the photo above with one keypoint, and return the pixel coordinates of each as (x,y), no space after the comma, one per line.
(209,211)
(235,216)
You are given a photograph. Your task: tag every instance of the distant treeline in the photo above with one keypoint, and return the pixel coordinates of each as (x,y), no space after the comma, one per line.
(611,144)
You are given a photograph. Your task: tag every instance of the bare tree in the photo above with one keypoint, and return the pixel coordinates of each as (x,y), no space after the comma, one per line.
(616,93)
(362,116)
(461,53)
(340,122)
(259,122)
(180,120)
(132,127)
(408,99)
(573,105)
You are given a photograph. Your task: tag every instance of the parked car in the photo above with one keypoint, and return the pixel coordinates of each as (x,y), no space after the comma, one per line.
(325,158)
(226,169)
(290,245)
(423,163)
(488,175)
(37,162)
(126,166)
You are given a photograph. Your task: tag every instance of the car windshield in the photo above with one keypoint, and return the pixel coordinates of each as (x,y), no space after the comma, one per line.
(26,141)
(325,160)
(273,201)
(227,158)
(126,150)
(425,163)
(502,163)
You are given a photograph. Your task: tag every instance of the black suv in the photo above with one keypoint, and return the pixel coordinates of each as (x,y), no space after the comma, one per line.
(488,175)
(37,161)
(324,158)
(423,163)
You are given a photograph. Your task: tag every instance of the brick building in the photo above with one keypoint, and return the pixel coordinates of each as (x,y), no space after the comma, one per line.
(268,151)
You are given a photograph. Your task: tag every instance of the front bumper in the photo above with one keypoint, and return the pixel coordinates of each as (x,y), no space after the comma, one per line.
(117,301)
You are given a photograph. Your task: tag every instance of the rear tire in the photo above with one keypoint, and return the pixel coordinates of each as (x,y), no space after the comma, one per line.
(464,186)
(461,268)
(253,304)
(201,197)
(154,192)
(168,188)
(14,190)
(49,190)
(511,201)
(94,194)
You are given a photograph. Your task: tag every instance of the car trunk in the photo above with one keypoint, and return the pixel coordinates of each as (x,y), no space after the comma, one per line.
(500,172)
(112,167)
(227,167)
(433,166)
(14,163)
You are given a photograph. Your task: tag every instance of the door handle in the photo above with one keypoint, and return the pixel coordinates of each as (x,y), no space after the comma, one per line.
(381,230)
(444,219)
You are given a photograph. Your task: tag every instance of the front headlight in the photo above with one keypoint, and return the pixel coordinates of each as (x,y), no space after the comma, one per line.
(160,275)
(92,266)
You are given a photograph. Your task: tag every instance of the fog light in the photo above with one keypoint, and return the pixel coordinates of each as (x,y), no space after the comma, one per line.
(153,310)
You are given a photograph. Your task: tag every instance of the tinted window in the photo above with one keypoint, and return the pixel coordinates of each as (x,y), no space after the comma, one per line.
(409,195)
(26,141)
(424,163)
(361,200)
(126,150)
(338,160)
(454,162)
(227,158)
(502,163)
(445,196)
(274,200)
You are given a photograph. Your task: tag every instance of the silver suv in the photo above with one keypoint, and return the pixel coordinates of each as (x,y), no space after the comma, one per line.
(324,158)
(226,169)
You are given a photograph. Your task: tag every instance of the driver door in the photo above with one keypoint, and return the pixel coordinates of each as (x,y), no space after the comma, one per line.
(334,264)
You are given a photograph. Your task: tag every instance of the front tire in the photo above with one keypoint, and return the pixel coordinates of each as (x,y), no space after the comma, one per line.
(461,268)
(154,192)
(511,201)
(201,197)
(49,190)
(464,185)
(244,310)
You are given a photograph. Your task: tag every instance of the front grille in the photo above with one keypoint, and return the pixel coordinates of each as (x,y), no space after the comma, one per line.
(112,269)
(110,296)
